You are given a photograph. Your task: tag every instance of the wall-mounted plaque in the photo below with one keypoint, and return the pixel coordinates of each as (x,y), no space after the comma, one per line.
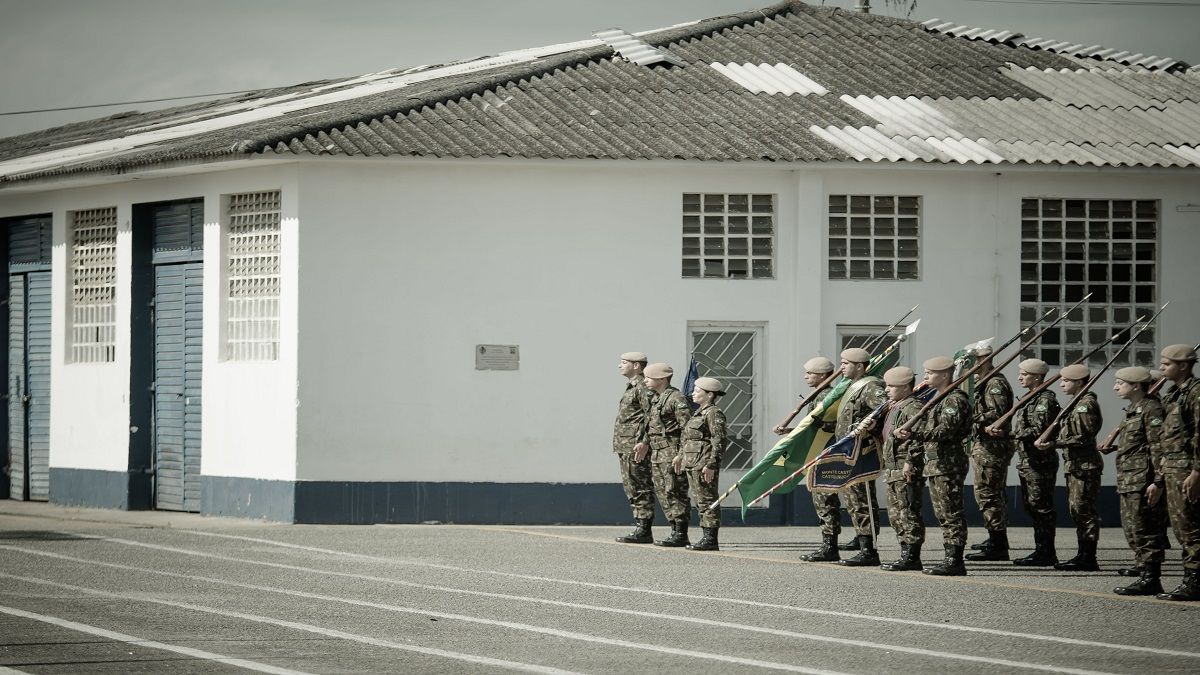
(497,357)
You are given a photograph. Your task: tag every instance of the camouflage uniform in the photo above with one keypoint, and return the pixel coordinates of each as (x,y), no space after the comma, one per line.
(991,455)
(860,400)
(703,446)
(668,414)
(826,504)
(1083,464)
(628,430)
(1038,468)
(904,498)
(1145,526)
(942,433)
(1177,458)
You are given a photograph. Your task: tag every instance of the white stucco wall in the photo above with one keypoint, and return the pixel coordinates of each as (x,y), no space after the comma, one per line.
(248,423)
(406,267)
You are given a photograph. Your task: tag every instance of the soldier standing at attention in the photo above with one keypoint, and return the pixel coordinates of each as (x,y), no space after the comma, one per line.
(826,504)
(864,395)
(633,453)
(903,462)
(700,455)
(668,414)
(1082,465)
(991,457)
(942,433)
(1145,525)
(1179,465)
(1037,468)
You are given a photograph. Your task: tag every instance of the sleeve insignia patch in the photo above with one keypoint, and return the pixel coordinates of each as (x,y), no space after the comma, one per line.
(1041,407)
(1156,422)
(1081,409)
(995,391)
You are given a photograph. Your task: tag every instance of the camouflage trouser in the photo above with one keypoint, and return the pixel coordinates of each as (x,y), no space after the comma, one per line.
(946,496)
(904,510)
(1145,526)
(1185,519)
(861,501)
(1083,490)
(638,479)
(991,462)
(672,491)
(828,507)
(1037,491)
(705,494)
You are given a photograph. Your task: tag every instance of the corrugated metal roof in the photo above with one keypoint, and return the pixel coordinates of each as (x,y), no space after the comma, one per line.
(897,91)
(995,36)
(770,79)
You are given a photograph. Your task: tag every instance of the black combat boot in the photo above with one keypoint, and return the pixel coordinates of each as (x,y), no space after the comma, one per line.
(910,560)
(708,542)
(1148,584)
(640,534)
(951,565)
(983,545)
(1135,571)
(1189,588)
(679,535)
(828,552)
(1084,560)
(1043,553)
(852,545)
(994,548)
(867,555)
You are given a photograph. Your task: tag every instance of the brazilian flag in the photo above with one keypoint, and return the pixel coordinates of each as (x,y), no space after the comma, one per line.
(805,442)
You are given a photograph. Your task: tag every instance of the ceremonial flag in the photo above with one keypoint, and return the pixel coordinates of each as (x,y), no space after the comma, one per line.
(689,383)
(805,442)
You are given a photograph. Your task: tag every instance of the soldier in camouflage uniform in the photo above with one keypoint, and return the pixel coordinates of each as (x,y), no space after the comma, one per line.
(668,414)
(1145,525)
(863,396)
(991,456)
(826,504)
(903,462)
(943,432)
(700,455)
(1038,468)
(1178,464)
(633,452)
(1082,464)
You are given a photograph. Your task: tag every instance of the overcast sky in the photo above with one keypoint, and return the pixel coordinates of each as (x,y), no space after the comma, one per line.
(59,53)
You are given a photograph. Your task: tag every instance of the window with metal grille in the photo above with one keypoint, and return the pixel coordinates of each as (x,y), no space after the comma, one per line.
(1106,247)
(864,336)
(252,271)
(94,285)
(729,355)
(874,237)
(728,236)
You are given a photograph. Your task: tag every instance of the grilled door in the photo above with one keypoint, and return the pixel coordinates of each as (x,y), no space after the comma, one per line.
(178,323)
(730,355)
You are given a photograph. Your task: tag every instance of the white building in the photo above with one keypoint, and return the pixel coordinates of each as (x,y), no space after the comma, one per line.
(299,304)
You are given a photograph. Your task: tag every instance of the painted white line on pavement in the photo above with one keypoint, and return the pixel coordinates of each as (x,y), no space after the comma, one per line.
(711,598)
(11,671)
(328,632)
(615,610)
(130,639)
(554,632)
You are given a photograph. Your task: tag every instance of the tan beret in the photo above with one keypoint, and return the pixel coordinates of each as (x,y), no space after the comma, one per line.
(634,357)
(1133,374)
(658,370)
(938,363)
(1034,366)
(983,351)
(1155,375)
(818,364)
(856,355)
(899,376)
(710,384)
(1179,353)
(1075,371)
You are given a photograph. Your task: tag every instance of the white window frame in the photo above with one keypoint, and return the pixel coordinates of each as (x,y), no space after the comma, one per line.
(251,276)
(729,235)
(93,333)
(864,240)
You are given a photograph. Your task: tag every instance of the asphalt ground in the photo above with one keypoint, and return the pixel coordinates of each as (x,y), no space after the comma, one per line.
(94,591)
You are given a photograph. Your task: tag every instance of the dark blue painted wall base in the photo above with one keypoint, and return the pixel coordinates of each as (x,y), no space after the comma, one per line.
(518,503)
(125,490)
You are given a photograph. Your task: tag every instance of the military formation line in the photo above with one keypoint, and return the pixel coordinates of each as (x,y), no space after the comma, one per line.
(927,436)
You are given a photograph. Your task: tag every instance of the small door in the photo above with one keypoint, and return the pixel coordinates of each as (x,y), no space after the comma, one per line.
(28,389)
(178,322)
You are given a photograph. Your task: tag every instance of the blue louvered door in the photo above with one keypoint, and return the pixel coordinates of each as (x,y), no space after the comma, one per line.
(178,320)
(28,390)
